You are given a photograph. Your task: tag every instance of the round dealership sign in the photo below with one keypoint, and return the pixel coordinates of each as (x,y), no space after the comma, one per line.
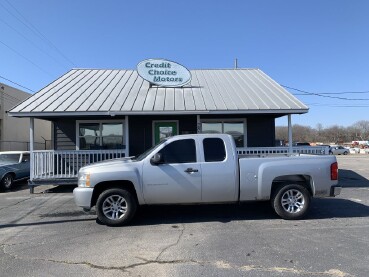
(164,73)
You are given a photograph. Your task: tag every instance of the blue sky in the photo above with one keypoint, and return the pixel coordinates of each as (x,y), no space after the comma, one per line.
(318,47)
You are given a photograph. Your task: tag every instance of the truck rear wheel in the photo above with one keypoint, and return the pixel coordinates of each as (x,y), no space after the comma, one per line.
(291,201)
(116,207)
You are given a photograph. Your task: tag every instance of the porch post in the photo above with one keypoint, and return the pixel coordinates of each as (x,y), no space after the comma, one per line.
(31,148)
(198,124)
(290,134)
(126,132)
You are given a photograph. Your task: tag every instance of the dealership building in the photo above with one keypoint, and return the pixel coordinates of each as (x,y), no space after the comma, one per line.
(125,112)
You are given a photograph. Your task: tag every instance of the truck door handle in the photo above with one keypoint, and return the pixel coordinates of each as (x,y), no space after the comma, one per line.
(191,170)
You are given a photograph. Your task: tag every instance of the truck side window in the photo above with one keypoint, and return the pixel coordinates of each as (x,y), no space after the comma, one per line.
(179,151)
(214,150)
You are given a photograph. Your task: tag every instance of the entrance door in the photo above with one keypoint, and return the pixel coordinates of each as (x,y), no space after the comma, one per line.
(164,129)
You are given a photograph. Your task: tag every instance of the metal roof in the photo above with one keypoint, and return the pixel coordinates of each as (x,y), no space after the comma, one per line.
(124,92)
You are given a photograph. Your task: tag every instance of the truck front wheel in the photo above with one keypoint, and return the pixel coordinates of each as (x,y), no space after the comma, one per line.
(116,207)
(291,201)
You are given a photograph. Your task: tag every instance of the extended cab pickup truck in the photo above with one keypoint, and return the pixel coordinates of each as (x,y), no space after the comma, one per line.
(204,168)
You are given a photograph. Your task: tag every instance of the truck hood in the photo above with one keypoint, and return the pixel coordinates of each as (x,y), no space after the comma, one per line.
(107,163)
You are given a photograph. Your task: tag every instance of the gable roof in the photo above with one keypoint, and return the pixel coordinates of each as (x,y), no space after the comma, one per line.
(124,92)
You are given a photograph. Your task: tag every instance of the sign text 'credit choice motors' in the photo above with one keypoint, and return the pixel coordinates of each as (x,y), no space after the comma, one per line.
(164,73)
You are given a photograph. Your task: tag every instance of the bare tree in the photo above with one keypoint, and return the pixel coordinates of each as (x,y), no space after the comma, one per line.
(362,127)
(333,134)
(319,127)
(352,133)
(281,133)
(303,133)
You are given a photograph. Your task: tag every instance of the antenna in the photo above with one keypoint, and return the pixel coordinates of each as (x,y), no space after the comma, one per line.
(235,63)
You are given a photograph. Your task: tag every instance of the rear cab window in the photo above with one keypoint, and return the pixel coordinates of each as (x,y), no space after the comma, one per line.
(214,150)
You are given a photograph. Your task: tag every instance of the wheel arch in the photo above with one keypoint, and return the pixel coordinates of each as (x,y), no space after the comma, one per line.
(120,184)
(304,180)
(9,172)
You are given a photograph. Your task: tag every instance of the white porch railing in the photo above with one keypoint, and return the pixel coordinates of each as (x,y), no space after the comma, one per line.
(53,164)
(314,150)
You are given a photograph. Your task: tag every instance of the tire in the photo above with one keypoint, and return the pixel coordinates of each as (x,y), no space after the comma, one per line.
(7,181)
(345,153)
(115,207)
(291,201)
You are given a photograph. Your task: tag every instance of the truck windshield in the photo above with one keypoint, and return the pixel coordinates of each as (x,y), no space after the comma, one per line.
(148,151)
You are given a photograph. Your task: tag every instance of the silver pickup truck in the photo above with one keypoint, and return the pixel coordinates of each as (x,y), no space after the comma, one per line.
(204,168)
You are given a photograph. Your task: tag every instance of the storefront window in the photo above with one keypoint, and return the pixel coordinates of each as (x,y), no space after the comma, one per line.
(211,127)
(89,136)
(233,128)
(112,135)
(236,130)
(101,135)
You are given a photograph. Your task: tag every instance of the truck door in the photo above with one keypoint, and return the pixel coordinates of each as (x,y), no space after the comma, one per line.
(219,172)
(177,179)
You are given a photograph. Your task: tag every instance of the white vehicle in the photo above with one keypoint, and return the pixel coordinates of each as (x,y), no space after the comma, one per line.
(204,168)
(338,150)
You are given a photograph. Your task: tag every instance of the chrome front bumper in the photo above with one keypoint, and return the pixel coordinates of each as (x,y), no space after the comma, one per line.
(82,197)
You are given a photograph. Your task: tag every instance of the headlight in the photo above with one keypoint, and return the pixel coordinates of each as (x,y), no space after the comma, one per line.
(84,179)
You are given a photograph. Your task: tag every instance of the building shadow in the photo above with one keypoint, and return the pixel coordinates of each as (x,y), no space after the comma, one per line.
(61,189)
(23,185)
(11,225)
(329,208)
(351,179)
(326,208)
(17,186)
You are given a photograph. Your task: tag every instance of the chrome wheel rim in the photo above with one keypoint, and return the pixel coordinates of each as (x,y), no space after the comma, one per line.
(114,207)
(7,181)
(293,201)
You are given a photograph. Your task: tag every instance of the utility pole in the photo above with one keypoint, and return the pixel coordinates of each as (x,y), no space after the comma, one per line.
(2,113)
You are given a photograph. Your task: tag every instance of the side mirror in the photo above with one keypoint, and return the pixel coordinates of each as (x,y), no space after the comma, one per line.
(157,159)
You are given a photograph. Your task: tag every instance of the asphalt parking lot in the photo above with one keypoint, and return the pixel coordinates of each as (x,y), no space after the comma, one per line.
(45,234)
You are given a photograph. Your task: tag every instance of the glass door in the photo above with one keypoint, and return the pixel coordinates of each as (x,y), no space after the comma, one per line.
(164,129)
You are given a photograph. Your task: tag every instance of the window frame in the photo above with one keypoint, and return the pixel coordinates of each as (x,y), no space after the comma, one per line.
(227,120)
(181,140)
(100,122)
